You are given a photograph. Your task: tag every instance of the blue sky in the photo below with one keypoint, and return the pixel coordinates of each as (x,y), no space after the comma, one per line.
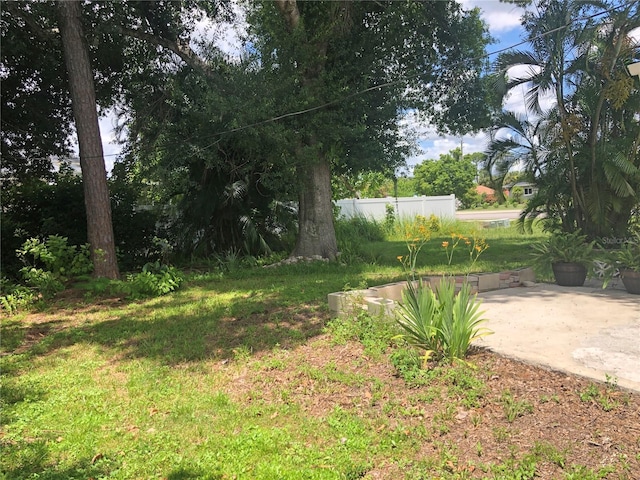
(503,20)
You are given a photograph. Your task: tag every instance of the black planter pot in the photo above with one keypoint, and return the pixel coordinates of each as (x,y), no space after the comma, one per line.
(631,281)
(569,274)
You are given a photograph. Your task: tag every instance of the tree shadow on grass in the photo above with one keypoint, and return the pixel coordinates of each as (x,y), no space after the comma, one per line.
(32,459)
(188,326)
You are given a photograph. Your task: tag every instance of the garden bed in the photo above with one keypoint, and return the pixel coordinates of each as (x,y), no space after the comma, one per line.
(384,298)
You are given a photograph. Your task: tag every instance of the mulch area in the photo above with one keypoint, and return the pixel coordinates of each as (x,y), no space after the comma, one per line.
(562,428)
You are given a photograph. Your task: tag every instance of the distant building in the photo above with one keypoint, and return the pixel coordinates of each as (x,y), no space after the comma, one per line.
(528,189)
(488,194)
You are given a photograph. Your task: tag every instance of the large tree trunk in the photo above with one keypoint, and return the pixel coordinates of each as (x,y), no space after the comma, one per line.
(316,234)
(94,176)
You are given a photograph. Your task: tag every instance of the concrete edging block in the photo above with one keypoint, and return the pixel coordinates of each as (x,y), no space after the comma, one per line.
(383,299)
(526,275)
(488,281)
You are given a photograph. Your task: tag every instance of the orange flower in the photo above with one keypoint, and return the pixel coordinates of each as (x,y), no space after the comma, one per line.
(400,257)
(445,244)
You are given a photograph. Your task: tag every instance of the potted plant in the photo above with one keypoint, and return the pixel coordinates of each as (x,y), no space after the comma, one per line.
(628,259)
(568,254)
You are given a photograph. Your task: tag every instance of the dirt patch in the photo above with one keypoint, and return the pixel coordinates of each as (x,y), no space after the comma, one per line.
(523,410)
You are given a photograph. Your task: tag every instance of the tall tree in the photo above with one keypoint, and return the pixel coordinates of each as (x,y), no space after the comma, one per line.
(367,62)
(94,175)
(451,173)
(590,172)
(125,39)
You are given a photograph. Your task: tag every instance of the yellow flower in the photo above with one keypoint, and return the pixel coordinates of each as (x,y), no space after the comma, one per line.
(400,257)
(445,244)
(478,248)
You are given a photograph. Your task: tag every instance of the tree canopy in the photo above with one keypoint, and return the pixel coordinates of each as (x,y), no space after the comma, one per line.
(452,173)
(225,145)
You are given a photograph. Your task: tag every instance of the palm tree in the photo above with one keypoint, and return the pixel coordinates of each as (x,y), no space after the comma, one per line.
(583,148)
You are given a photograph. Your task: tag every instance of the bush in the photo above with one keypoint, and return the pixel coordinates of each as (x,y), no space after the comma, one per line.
(41,209)
(52,262)
(442,323)
(57,257)
(14,298)
(154,280)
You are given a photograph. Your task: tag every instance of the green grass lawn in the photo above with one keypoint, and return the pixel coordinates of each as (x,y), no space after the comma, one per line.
(237,375)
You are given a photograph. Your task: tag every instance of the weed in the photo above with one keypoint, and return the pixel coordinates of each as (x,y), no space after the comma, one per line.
(513,408)
(580,472)
(501,434)
(476,420)
(154,280)
(525,469)
(550,453)
(549,398)
(602,397)
(374,333)
(242,353)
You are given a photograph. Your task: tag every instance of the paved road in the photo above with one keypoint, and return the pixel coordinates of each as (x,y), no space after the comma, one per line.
(489,214)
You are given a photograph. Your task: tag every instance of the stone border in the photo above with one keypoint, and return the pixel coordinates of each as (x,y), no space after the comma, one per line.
(383,299)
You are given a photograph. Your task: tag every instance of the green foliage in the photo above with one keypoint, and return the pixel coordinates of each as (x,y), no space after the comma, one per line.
(563,247)
(582,152)
(361,185)
(44,282)
(49,264)
(154,280)
(442,323)
(580,472)
(14,298)
(603,397)
(514,408)
(351,234)
(516,194)
(452,173)
(416,234)
(474,244)
(628,256)
(374,333)
(39,209)
(389,217)
(59,258)
(406,187)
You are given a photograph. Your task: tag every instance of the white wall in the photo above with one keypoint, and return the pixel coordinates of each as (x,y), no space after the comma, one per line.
(375,208)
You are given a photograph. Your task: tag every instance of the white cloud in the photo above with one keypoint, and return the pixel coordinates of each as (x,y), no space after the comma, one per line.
(225,35)
(501,17)
(437,145)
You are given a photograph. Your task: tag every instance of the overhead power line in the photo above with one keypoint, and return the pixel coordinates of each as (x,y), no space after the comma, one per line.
(390,83)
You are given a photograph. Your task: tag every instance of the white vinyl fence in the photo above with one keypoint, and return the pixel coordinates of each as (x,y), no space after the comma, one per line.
(375,208)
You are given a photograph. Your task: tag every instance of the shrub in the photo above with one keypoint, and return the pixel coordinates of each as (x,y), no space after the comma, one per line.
(57,256)
(52,262)
(442,323)
(14,297)
(389,217)
(154,280)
